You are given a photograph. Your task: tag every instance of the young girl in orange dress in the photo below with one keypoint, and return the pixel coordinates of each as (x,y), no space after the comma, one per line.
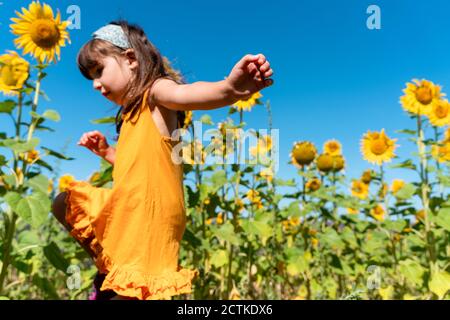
(134,229)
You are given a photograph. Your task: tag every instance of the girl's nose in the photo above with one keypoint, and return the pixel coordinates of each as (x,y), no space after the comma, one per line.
(97,85)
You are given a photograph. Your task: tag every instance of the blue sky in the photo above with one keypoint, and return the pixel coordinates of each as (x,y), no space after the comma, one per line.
(334,78)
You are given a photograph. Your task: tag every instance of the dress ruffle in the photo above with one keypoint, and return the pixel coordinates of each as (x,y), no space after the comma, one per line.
(123,282)
(149,287)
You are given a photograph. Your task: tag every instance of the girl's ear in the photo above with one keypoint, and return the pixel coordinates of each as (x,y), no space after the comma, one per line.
(130,58)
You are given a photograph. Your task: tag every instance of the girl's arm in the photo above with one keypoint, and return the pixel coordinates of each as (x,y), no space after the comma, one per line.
(246,78)
(110,155)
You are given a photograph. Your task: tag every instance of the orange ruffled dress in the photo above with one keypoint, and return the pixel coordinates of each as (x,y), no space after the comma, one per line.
(135,228)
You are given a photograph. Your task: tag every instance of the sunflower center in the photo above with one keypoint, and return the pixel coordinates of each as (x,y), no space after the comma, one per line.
(44,33)
(441,112)
(424,95)
(378,147)
(7,76)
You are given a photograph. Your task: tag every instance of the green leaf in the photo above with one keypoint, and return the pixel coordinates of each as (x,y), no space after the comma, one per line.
(206,119)
(39,183)
(46,286)
(395,225)
(332,239)
(191,238)
(35,114)
(7,106)
(12,199)
(406,192)
(348,236)
(258,228)
(285,183)
(440,283)
(56,258)
(28,238)
(105,120)
(407,164)
(412,270)
(294,209)
(219,258)
(296,263)
(232,110)
(56,154)
(34,208)
(407,131)
(51,115)
(218,179)
(443,218)
(20,146)
(226,232)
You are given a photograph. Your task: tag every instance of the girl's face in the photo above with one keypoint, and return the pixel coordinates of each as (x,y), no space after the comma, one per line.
(112,76)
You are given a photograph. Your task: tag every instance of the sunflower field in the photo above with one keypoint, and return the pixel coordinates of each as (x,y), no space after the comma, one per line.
(329,236)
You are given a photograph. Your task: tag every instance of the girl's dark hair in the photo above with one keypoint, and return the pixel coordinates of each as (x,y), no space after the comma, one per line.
(152,66)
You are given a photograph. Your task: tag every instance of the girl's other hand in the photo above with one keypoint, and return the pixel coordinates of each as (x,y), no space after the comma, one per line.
(96,142)
(249,76)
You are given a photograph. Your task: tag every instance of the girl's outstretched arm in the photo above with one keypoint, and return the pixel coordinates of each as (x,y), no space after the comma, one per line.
(247,77)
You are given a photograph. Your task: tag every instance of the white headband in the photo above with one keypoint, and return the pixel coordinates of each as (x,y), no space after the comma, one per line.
(114,34)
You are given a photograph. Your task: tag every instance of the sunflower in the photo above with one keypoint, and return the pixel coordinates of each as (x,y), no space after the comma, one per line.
(447,135)
(313,184)
(267,173)
(14,71)
(377,147)
(420,214)
(239,205)
(420,96)
(440,113)
(40,33)
(254,198)
(352,211)
(30,157)
(263,146)
(359,189)
(95,177)
(325,163)
(367,176)
(219,219)
(332,147)
(441,152)
(382,192)
(65,181)
(397,184)
(50,186)
(249,103)
(338,163)
(303,153)
(378,213)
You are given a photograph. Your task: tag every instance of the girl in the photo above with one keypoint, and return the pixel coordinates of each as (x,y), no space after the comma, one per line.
(133,230)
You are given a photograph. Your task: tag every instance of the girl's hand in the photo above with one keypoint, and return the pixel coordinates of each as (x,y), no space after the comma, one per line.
(249,75)
(96,142)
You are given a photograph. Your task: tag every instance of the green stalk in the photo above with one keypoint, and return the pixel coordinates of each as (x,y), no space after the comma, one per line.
(11,225)
(436,138)
(424,193)
(235,213)
(7,249)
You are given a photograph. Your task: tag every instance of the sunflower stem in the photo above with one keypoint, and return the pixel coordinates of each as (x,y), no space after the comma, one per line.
(424,194)
(436,138)
(235,213)
(35,102)
(382,195)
